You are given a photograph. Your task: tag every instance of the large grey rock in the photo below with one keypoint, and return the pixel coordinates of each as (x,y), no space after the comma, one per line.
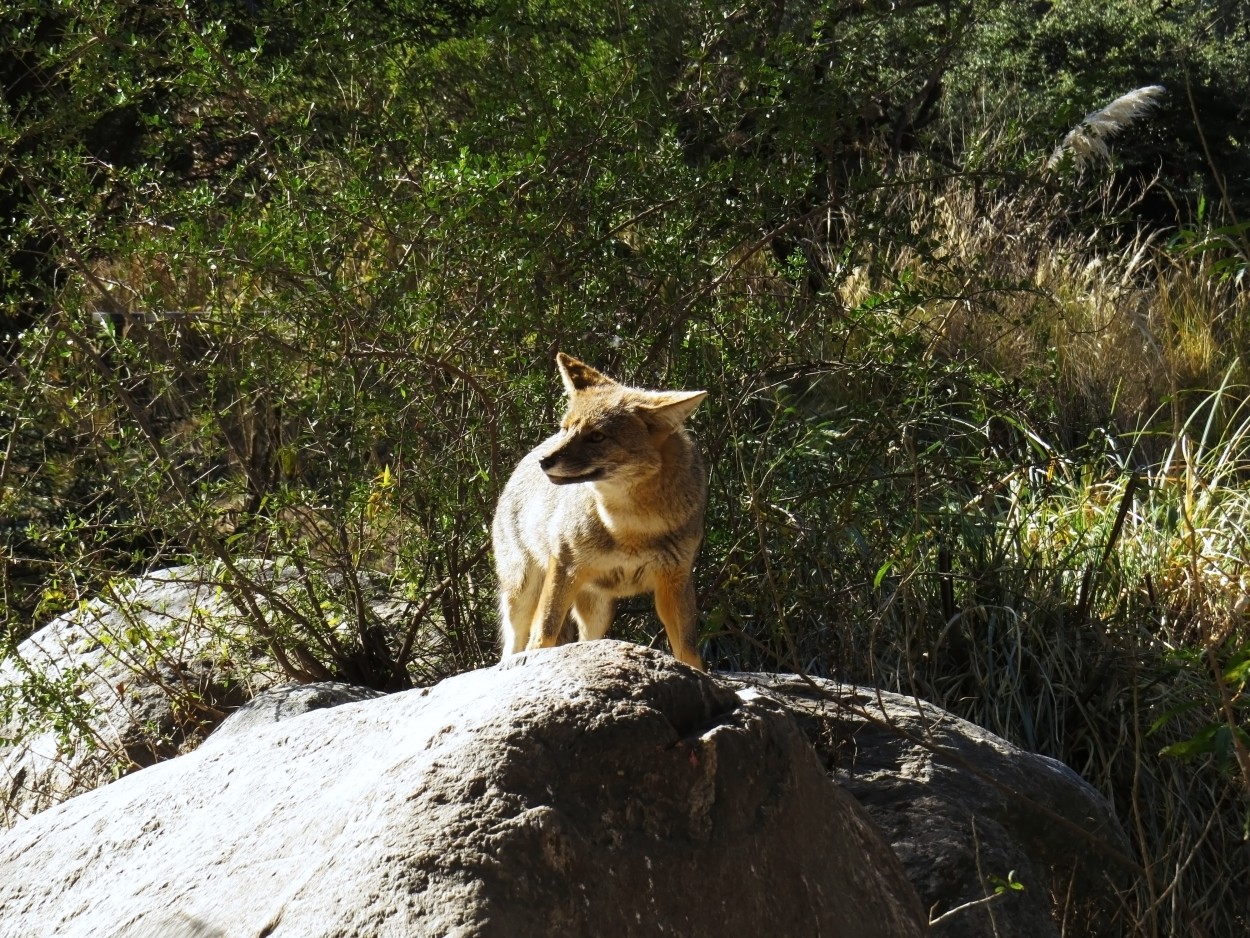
(139,674)
(287,701)
(598,789)
(963,809)
(145,672)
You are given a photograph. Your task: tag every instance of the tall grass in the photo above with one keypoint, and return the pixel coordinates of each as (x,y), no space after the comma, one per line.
(1085,591)
(1101,619)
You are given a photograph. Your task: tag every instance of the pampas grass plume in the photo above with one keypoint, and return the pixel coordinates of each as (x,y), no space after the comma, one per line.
(1087,141)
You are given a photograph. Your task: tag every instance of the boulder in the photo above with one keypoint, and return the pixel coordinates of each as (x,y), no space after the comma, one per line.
(145,672)
(966,812)
(124,681)
(286,701)
(597,789)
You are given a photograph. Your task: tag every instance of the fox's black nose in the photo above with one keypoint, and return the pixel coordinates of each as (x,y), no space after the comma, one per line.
(547,462)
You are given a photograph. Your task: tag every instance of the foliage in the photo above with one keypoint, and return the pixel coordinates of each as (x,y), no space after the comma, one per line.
(287,280)
(1067,58)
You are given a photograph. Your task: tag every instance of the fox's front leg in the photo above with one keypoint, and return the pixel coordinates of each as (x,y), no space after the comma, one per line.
(559,588)
(518,599)
(678,608)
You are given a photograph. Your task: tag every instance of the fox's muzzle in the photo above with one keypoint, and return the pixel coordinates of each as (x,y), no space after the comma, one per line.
(550,467)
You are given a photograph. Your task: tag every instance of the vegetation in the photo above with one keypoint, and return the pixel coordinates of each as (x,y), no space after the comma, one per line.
(285,281)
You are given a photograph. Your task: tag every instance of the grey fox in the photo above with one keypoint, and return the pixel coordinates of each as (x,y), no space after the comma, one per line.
(610,506)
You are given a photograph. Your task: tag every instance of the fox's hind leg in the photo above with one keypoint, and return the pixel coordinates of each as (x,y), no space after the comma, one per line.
(593,612)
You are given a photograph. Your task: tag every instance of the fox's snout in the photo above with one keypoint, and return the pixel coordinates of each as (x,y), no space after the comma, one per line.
(563,467)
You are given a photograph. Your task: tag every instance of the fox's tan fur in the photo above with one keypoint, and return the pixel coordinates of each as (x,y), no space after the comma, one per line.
(610,506)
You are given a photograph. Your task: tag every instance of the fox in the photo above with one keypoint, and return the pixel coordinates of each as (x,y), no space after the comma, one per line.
(610,506)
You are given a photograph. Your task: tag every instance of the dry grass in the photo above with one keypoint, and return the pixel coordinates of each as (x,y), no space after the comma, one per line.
(1088,594)
(1120,326)
(1101,597)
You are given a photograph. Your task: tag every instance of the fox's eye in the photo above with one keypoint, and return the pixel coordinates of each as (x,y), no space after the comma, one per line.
(595,436)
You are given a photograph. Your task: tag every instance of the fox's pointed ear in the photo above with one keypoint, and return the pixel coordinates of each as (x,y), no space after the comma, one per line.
(578,376)
(668,410)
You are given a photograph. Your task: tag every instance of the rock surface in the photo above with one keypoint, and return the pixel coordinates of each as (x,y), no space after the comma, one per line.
(142,671)
(962,808)
(287,701)
(139,675)
(595,789)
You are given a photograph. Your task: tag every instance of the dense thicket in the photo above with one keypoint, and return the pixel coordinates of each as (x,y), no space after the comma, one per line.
(286,280)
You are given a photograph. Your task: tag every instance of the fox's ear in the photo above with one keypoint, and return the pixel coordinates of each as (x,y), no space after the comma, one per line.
(668,410)
(578,376)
